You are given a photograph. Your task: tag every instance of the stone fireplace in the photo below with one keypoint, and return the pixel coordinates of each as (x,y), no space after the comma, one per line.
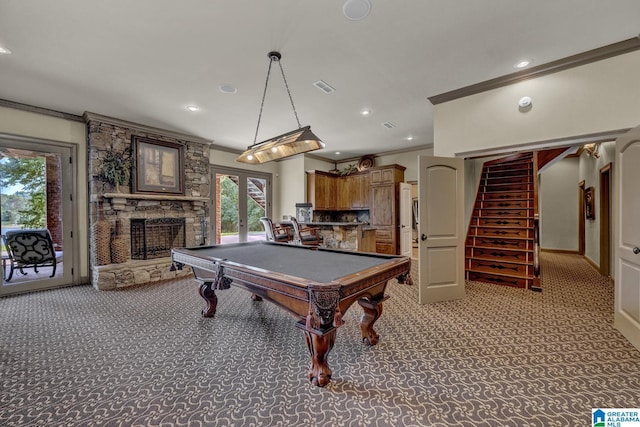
(119,217)
(154,238)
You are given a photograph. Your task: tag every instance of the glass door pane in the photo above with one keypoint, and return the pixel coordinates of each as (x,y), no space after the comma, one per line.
(241,198)
(228,220)
(36,244)
(256,207)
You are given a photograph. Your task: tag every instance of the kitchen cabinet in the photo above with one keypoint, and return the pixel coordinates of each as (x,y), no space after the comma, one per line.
(384,206)
(359,190)
(327,191)
(322,190)
(353,192)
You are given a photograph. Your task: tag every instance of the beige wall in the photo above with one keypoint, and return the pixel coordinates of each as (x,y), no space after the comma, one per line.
(293,187)
(34,125)
(407,159)
(597,97)
(558,205)
(589,171)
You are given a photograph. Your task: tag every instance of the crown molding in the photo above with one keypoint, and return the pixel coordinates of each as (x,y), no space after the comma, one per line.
(584,58)
(383,153)
(605,136)
(40,110)
(89,116)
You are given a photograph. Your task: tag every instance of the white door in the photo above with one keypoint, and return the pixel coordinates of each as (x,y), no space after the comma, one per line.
(627,204)
(441,231)
(405,219)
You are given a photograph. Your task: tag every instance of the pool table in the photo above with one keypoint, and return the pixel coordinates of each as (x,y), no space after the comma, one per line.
(316,285)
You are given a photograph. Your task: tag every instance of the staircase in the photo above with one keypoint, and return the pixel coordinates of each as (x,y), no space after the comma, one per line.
(255,190)
(502,241)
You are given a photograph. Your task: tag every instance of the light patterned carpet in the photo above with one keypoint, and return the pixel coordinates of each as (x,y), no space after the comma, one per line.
(144,357)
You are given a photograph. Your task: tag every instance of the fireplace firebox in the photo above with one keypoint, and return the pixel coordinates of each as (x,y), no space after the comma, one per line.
(154,238)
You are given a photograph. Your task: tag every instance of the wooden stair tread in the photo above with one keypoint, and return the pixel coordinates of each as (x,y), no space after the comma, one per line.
(503,261)
(493,273)
(501,216)
(519,199)
(503,238)
(493,247)
(501,226)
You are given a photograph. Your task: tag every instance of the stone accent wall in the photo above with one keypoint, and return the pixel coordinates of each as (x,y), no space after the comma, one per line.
(112,206)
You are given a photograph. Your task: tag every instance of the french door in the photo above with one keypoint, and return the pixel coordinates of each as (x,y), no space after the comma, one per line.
(240,199)
(38,180)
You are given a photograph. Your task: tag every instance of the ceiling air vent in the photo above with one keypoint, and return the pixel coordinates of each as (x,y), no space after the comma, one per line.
(388,125)
(323,86)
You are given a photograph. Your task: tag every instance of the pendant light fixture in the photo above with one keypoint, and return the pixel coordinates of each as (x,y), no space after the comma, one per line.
(298,141)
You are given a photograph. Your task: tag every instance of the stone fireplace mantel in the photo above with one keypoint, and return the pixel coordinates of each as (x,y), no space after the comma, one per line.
(119,200)
(153,197)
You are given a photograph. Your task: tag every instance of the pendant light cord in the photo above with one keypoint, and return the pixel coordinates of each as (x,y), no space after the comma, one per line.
(264,94)
(295,113)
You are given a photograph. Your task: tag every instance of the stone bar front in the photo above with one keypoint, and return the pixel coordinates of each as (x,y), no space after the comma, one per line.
(353,236)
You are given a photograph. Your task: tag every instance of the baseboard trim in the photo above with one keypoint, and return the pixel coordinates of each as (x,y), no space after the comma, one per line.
(560,251)
(593,264)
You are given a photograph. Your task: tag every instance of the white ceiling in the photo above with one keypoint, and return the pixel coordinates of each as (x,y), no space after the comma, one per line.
(145,60)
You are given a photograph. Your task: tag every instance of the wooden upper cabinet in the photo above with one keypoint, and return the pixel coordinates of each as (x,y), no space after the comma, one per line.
(360,191)
(387,174)
(344,190)
(353,192)
(327,191)
(322,190)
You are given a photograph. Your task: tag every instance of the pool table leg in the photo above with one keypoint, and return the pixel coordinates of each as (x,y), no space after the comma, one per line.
(320,346)
(209,295)
(372,311)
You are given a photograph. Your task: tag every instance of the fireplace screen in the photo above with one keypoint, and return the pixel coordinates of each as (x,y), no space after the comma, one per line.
(154,238)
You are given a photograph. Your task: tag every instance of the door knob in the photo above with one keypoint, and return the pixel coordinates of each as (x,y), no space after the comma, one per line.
(423,237)
(403,226)
(636,250)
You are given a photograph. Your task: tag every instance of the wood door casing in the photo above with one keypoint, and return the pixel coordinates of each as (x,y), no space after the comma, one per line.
(605,220)
(581,218)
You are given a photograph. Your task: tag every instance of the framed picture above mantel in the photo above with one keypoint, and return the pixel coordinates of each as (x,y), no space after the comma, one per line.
(158,166)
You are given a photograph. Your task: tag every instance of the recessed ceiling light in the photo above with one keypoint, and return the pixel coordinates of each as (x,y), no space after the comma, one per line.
(355,10)
(227,88)
(365,112)
(4,51)
(409,138)
(337,152)
(522,63)
(192,108)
